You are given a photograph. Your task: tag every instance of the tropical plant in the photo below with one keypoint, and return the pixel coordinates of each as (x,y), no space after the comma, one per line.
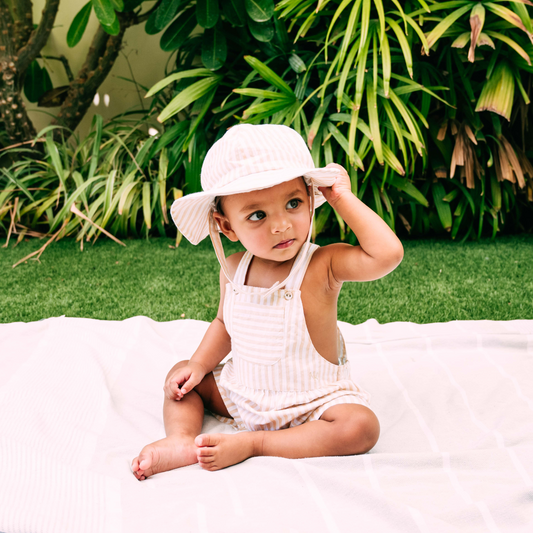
(24,68)
(431,130)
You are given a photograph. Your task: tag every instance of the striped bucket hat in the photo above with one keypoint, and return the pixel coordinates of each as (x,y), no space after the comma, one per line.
(248,158)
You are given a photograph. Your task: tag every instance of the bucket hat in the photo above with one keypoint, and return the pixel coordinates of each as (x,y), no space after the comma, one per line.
(247,158)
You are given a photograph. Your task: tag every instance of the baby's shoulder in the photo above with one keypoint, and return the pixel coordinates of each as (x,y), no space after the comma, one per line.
(323,254)
(233,261)
(319,272)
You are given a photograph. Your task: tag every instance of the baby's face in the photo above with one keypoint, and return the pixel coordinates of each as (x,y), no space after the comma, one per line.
(271,223)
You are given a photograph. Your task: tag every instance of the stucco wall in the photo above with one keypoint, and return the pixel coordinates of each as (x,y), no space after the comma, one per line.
(146,59)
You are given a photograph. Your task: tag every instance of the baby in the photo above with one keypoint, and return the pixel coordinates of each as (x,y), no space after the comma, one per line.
(287,385)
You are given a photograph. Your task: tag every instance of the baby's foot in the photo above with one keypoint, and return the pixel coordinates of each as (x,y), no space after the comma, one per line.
(162,455)
(216,451)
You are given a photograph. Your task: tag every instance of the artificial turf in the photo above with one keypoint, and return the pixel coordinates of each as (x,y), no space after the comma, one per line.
(437,281)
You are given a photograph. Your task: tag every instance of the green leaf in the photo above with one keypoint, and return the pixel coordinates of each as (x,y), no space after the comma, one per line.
(234,12)
(462,40)
(391,160)
(130,5)
(396,127)
(513,44)
(348,35)
(166,12)
(317,120)
(386,64)
(146,205)
(113,28)
(268,108)
(68,203)
(260,93)
(443,25)
(53,152)
(402,39)
(443,208)
(297,64)
(104,12)
(373,120)
(178,32)
(214,48)
(506,14)
(151,27)
(408,188)
(78,25)
(260,10)
(343,142)
(33,83)
(337,14)
(207,13)
(193,73)
(98,122)
(188,96)
(269,75)
(360,76)
(262,31)
(346,70)
(118,5)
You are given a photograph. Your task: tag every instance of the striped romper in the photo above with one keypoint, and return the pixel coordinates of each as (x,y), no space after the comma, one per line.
(275,378)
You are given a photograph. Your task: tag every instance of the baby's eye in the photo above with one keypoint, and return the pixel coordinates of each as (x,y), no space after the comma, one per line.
(258,215)
(293,204)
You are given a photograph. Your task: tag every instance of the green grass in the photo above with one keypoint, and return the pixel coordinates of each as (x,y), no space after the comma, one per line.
(438,281)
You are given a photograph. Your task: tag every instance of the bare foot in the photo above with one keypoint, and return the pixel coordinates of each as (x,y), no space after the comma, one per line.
(217,450)
(162,455)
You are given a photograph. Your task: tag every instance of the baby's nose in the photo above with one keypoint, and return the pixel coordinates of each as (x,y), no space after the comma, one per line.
(280,224)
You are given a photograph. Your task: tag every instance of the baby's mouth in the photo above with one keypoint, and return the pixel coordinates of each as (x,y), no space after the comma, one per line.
(284,244)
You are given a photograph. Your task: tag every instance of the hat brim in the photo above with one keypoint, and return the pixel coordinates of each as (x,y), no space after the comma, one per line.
(191,213)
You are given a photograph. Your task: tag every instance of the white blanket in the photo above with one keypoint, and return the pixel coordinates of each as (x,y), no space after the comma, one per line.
(79,398)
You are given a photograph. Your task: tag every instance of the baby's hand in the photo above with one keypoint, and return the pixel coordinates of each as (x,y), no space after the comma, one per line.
(339,188)
(183,380)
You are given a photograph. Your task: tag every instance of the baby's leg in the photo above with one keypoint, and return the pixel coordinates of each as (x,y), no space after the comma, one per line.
(183,422)
(344,429)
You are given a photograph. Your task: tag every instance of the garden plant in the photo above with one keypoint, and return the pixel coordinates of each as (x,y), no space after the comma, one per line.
(425,103)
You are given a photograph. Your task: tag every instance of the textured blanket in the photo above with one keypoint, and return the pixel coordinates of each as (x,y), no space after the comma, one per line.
(79,398)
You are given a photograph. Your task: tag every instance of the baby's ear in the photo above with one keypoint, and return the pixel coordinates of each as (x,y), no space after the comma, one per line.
(225,226)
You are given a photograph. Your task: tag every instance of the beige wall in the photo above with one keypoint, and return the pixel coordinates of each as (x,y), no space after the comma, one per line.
(146,59)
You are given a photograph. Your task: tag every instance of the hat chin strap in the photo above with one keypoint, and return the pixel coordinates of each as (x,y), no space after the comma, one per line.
(219,250)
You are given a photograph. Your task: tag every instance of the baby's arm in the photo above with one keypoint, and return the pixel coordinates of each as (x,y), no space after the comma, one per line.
(215,345)
(379,251)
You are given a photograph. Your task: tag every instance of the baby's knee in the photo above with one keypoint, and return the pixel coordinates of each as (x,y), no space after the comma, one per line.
(361,432)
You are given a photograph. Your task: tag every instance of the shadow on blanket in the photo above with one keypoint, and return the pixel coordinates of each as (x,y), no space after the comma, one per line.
(80,397)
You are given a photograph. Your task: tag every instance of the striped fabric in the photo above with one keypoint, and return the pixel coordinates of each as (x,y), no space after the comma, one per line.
(275,378)
(248,158)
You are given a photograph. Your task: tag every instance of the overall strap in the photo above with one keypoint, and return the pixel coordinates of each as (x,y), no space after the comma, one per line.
(294,281)
(242,268)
